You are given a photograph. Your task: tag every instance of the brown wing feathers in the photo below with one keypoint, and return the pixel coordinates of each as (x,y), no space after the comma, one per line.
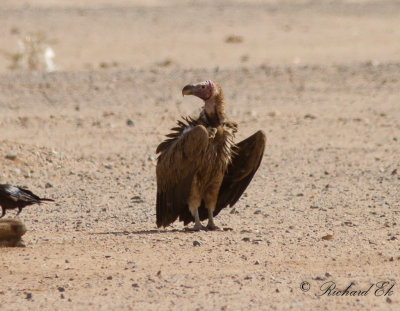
(176,168)
(245,163)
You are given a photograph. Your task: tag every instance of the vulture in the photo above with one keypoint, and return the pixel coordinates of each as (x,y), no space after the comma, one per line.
(200,170)
(15,197)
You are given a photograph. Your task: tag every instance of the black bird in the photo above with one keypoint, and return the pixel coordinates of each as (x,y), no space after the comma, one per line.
(15,197)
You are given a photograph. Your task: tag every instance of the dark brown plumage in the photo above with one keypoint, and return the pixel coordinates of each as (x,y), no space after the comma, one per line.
(15,197)
(200,170)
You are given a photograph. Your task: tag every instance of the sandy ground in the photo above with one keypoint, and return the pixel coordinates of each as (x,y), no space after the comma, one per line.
(321,78)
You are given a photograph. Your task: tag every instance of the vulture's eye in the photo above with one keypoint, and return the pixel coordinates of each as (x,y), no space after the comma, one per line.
(203,86)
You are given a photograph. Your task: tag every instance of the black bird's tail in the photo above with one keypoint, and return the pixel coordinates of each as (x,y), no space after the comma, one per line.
(45,199)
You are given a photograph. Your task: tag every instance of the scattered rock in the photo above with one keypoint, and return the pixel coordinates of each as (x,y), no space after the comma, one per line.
(11,156)
(196,243)
(234,211)
(246,239)
(137,199)
(130,122)
(327,237)
(234,39)
(48,185)
(16,171)
(61,289)
(28,296)
(309,116)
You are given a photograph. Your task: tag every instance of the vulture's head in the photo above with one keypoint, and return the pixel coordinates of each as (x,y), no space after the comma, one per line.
(205,90)
(211,93)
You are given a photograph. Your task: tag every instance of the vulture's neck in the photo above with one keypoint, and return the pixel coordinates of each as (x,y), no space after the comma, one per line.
(214,109)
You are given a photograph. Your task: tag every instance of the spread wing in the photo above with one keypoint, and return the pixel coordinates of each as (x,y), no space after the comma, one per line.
(180,158)
(240,172)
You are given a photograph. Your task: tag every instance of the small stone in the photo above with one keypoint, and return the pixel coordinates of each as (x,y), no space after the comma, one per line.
(314,206)
(108,166)
(61,289)
(62,296)
(150,158)
(196,243)
(130,122)
(246,239)
(309,116)
(28,295)
(327,237)
(137,199)
(388,300)
(48,185)
(135,285)
(109,277)
(16,170)
(11,156)
(234,211)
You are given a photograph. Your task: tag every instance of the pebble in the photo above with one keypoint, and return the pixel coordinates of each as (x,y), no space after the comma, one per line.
(130,122)
(11,156)
(196,243)
(233,211)
(309,116)
(48,185)
(16,170)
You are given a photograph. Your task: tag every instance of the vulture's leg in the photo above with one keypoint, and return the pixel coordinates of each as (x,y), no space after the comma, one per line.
(19,211)
(211,225)
(194,202)
(197,224)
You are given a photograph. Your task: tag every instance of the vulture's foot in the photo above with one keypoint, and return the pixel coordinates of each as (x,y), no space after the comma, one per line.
(199,227)
(212,227)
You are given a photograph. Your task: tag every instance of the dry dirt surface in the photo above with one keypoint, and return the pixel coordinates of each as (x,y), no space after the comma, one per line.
(321,78)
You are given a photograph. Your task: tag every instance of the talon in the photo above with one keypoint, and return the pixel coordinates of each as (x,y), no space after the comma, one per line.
(212,227)
(199,228)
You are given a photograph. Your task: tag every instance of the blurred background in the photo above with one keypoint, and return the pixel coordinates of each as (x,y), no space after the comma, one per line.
(88,35)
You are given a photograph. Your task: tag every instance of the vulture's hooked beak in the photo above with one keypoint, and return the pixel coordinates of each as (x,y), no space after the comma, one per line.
(187,90)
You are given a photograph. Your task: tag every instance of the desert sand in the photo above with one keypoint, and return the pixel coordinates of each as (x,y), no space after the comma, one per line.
(321,78)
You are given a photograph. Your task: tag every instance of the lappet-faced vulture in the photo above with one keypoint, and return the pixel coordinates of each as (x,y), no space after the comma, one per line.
(200,170)
(15,197)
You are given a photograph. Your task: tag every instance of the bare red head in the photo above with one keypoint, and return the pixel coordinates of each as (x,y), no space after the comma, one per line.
(204,90)
(211,93)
